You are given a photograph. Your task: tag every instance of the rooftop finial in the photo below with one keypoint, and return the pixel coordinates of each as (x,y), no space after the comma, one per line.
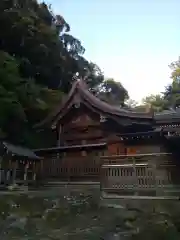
(76,77)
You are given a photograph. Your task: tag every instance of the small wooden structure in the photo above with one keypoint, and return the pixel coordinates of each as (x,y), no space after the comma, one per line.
(17,165)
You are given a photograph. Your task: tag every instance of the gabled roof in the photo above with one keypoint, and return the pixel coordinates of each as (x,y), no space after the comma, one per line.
(80,90)
(20,151)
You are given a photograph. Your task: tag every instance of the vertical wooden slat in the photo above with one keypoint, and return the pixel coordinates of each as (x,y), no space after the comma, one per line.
(136,176)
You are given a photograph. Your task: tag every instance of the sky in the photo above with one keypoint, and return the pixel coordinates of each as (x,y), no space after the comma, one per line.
(132,41)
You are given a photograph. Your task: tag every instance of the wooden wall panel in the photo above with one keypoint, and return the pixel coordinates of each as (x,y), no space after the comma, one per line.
(140,149)
(132,150)
(116,149)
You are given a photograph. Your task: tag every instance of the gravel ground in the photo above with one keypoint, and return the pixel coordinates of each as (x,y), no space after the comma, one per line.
(76,213)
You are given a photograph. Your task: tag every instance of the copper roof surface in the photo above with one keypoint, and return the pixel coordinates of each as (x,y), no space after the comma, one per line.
(80,89)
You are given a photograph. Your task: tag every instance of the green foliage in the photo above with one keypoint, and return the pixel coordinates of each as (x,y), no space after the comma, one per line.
(130,103)
(170,98)
(10,107)
(156,102)
(18,97)
(175,67)
(38,61)
(113,92)
(172,91)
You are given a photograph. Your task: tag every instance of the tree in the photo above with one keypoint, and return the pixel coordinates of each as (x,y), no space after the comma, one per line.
(38,60)
(130,103)
(42,43)
(156,102)
(172,91)
(113,92)
(175,67)
(31,66)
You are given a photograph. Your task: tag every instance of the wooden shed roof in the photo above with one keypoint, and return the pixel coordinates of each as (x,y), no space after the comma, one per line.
(20,151)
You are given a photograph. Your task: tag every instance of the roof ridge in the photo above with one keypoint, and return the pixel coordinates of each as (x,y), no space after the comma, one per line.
(81,87)
(113,107)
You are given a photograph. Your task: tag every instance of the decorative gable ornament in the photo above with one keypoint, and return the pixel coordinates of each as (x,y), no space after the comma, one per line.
(77,102)
(76,120)
(102,119)
(53,127)
(77,105)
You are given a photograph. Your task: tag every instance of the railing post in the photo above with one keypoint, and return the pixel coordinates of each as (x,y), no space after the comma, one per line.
(135,178)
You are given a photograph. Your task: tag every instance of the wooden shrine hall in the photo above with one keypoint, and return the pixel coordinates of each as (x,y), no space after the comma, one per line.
(125,150)
(17,165)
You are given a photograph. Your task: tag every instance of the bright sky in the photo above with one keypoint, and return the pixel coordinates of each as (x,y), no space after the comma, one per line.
(133,41)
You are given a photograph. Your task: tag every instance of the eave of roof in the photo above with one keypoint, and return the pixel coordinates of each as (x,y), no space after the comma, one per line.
(147,133)
(73,148)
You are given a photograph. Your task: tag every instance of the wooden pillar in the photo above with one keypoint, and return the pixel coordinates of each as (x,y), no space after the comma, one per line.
(14,172)
(34,176)
(83,153)
(8,172)
(7,176)
(25,172)
(34,172)
(155,175)
(42,168)
(135,178)
(69,170)
(59,136)
(59,139)
(0,170)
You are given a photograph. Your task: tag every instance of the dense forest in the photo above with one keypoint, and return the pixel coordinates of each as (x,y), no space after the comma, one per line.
(39,60)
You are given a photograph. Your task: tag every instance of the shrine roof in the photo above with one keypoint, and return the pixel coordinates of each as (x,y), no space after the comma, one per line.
(20,151)
(170,115)
(80,89)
